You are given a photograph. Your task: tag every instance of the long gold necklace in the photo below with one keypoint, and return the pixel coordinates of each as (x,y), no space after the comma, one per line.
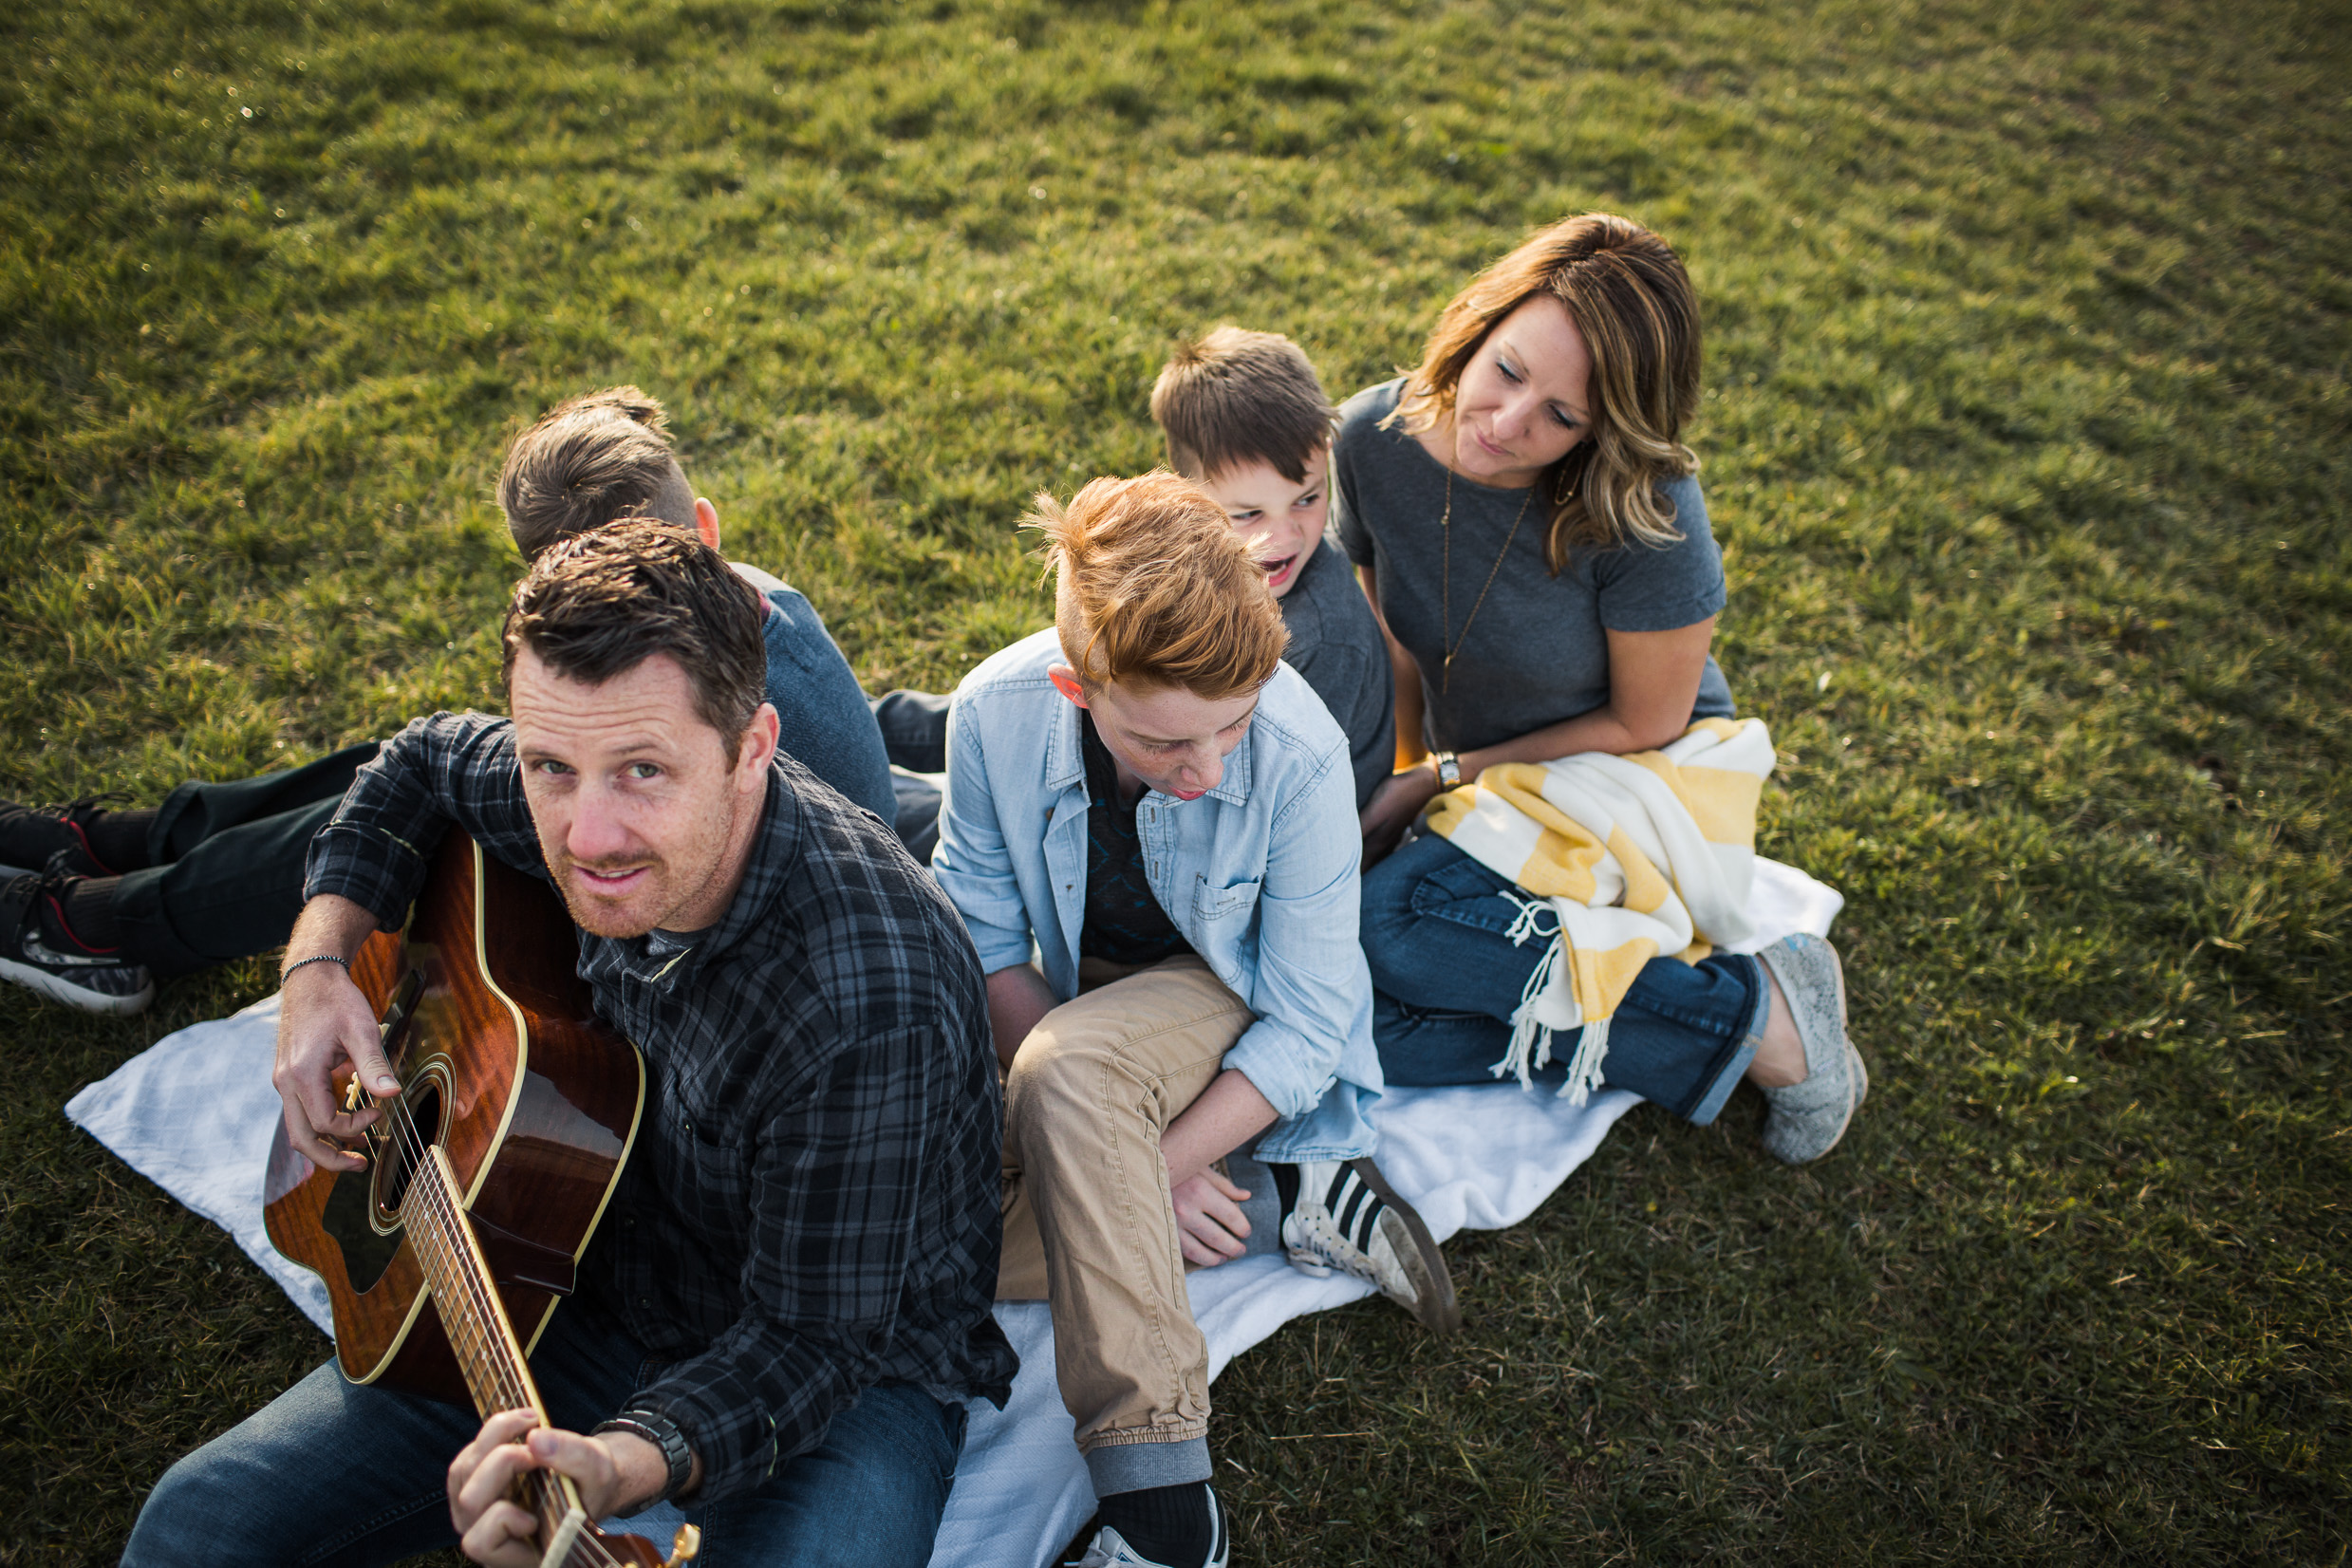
(1446,527)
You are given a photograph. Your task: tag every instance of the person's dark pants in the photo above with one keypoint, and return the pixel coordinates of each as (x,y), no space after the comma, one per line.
(338,1472)
(914,734)
(226,878)
(914,729)
(1446,978)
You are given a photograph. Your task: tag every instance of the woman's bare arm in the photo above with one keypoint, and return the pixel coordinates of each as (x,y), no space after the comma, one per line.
(1654,680)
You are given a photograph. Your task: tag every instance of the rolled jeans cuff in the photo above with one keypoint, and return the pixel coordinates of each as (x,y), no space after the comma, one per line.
(1742,1051)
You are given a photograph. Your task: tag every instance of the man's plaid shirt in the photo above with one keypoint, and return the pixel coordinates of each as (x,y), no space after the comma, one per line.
(812,1203)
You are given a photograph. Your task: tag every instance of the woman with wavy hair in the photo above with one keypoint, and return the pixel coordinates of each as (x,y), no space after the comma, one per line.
(1527,522)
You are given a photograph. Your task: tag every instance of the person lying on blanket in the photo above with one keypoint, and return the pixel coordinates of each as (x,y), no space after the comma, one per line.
(1148,799)
(1526,521)
(120,897)
(787,1304)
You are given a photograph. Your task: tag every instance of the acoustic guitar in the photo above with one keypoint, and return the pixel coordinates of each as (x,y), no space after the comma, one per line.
(486,1173)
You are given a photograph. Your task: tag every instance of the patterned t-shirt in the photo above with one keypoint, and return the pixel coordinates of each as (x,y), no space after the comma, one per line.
(1124,921)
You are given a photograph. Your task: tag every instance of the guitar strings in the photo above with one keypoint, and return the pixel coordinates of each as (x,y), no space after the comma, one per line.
(487,1356)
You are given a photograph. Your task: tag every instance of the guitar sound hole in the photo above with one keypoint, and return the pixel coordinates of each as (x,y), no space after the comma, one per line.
(362,1211)
(404,1144)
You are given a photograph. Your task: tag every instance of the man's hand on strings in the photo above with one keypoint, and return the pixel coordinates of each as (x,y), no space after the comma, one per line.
(325,1027)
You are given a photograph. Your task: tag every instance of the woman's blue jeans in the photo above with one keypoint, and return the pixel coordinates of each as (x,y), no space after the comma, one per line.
(338,1472)
(1446,978)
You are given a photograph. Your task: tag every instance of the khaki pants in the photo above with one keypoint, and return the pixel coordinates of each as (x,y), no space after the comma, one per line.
(1088,1223)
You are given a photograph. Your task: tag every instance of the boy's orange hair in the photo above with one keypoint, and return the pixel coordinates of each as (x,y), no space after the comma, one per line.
(1234,398)
(1154,588)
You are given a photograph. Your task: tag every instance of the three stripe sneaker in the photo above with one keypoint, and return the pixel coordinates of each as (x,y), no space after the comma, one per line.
(1343,1215)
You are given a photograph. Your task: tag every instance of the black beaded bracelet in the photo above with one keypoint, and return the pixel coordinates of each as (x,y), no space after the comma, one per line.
(315,958)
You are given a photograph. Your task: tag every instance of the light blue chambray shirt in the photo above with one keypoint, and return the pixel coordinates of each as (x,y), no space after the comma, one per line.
(1259,875)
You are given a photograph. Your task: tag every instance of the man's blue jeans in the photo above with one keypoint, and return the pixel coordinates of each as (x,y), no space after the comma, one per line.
(336,1472)
(1446,978)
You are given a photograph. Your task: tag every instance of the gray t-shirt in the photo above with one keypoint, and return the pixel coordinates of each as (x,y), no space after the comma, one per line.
(1537,651)
(1336,644)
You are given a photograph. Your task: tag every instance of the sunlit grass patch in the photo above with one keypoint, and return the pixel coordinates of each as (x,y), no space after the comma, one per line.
(2026,437)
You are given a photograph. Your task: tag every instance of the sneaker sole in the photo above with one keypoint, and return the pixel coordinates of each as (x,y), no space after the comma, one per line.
(1845,1027)
(1433,1286)
(81,999)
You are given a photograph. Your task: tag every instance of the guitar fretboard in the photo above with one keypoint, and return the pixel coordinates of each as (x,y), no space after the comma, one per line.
(495,1371)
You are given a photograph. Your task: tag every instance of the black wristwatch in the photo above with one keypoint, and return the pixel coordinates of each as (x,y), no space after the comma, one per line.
(662,1433)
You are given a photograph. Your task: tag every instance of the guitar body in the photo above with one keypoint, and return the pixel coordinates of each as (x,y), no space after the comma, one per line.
(507,1069)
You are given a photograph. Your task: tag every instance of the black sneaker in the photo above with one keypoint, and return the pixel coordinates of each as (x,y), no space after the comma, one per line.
(1345,1217)
(39,952)
(36,835)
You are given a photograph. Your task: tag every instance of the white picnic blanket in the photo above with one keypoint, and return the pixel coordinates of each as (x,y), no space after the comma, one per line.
(194,1113)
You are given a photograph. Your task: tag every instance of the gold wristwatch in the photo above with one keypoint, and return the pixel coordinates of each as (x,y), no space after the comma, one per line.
(1449,769)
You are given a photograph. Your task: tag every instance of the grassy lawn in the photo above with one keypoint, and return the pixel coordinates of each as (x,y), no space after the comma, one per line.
(2026,435)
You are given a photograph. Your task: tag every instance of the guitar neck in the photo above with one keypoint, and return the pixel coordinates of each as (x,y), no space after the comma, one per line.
(474,1319)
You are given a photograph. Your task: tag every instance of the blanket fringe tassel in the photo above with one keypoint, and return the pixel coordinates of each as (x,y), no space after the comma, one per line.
(1531,1041)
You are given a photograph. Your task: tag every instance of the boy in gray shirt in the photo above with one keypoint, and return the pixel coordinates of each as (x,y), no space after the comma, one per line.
(1247,421)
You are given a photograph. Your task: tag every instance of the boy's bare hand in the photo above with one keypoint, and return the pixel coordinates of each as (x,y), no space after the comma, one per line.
(1208,1219)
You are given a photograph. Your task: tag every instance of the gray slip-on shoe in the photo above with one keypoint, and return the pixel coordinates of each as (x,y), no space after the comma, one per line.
(1807,1119)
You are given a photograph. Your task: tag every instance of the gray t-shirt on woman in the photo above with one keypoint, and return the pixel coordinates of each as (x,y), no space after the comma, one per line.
(1537,651)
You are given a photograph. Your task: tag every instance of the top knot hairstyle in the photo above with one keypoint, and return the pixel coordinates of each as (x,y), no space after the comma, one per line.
(600,604)
(591,461)
(1633,304)
(1153,588)
(1234,398)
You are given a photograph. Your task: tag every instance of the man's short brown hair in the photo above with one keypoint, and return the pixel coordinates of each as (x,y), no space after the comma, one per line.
(1233,398)
(601,604)
(1154,588)
(589,461)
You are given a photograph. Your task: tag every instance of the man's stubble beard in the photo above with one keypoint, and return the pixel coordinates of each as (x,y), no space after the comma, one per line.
(715,827)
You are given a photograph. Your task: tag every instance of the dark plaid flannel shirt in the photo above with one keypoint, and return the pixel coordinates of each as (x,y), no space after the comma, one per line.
(812,1206)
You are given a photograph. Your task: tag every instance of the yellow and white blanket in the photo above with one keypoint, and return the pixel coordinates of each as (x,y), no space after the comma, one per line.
(1631,857)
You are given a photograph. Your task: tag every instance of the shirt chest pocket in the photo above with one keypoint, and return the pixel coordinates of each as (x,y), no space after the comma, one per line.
(707,1159)
(1216,904)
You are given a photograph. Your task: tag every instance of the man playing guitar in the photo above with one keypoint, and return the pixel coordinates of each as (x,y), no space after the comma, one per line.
(787,1302)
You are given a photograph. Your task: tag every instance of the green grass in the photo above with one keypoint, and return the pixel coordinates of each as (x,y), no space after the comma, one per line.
(2026,435)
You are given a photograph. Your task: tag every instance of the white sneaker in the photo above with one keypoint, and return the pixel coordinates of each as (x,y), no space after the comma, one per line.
(1109,1549)
(1348,1219)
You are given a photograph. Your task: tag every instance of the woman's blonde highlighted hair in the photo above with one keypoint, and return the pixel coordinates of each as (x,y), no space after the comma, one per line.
(1153,587)
(1633,304)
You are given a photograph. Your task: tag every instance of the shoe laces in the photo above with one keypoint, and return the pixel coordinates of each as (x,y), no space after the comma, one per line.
(26,899)
(82,805)
(74,816)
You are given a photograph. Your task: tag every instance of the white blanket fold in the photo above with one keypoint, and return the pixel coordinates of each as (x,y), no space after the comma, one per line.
(194,1111)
